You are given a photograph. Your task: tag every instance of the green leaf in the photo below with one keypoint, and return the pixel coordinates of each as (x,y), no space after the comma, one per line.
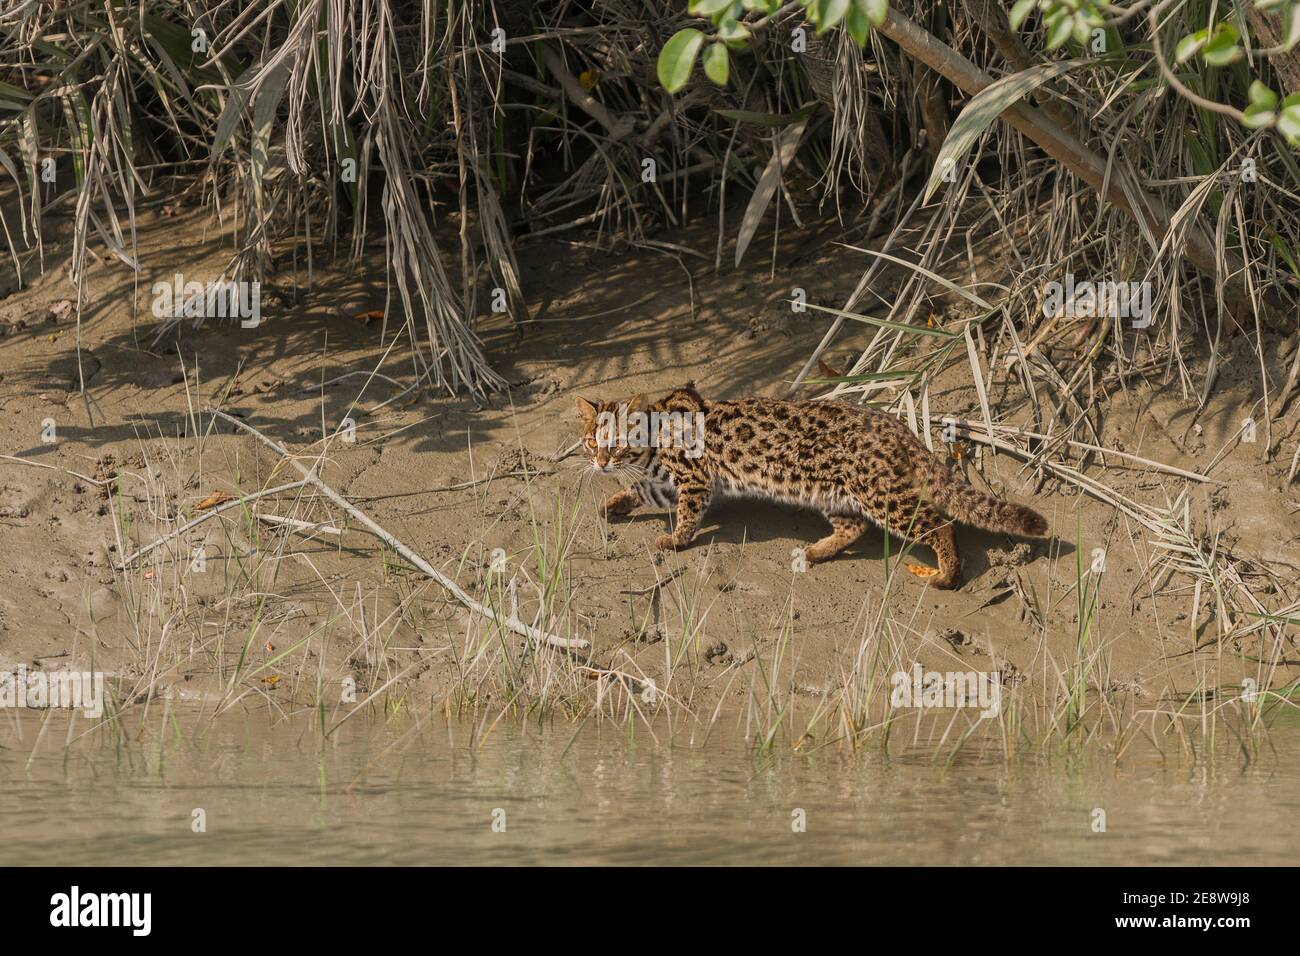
(1261,95)
(707,8)
(988,105)
(1262,109)
(677,58)
(1288,123)
(765,119)
(830,12)
(1222,48)
(858,25)
(877,10)
(1081,30)
(716,64)
(1020,11)
(1256,118)
(1059,27)
(1189,44)
(731,30)
(1221,55)
(1282,250)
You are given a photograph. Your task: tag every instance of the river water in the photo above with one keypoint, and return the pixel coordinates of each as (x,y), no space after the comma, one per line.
(246,790)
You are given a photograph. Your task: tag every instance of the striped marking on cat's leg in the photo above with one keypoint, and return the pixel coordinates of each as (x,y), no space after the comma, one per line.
(621,502)
(844,531)
(692,502)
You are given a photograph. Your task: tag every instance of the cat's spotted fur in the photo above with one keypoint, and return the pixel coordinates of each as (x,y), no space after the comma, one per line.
(856,465)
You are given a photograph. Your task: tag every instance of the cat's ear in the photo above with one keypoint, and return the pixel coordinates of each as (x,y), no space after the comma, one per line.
(637,403)
(586,409)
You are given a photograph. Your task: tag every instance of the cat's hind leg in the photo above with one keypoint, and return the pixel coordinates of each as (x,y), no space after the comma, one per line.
(844,531)
(932,529)
(622,502)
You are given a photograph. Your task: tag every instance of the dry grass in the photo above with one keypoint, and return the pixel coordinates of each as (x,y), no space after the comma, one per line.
(472,153)
(272,622)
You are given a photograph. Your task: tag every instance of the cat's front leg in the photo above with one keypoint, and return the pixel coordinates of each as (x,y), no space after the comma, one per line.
(692,502)
(621,503)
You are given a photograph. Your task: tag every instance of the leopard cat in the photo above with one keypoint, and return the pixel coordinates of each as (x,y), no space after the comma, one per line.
(856,465)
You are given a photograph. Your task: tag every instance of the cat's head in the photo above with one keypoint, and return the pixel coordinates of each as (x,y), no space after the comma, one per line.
(605,437)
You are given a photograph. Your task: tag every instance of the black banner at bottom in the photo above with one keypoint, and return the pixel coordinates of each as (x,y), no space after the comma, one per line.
(345,906)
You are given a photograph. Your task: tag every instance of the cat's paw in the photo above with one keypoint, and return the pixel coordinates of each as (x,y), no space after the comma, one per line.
(668,542)
(936,578)
(815,555)
(617,506)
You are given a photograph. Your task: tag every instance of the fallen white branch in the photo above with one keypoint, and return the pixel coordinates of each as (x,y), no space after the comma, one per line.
(209,513)
(306,527)
(309,476)
(1137,459)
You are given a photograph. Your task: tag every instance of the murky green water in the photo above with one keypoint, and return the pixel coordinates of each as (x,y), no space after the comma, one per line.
(378,794)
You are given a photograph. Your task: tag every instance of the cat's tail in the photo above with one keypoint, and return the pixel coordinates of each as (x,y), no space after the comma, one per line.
(959,500)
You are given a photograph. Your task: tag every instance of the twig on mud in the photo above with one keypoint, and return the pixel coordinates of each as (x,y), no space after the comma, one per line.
(561,455)
(75,474)
(309,476)
(306,527)
(653,587)
(210,513)
(317,386)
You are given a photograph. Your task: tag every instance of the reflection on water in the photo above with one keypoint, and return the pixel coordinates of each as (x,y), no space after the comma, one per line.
(376,794)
